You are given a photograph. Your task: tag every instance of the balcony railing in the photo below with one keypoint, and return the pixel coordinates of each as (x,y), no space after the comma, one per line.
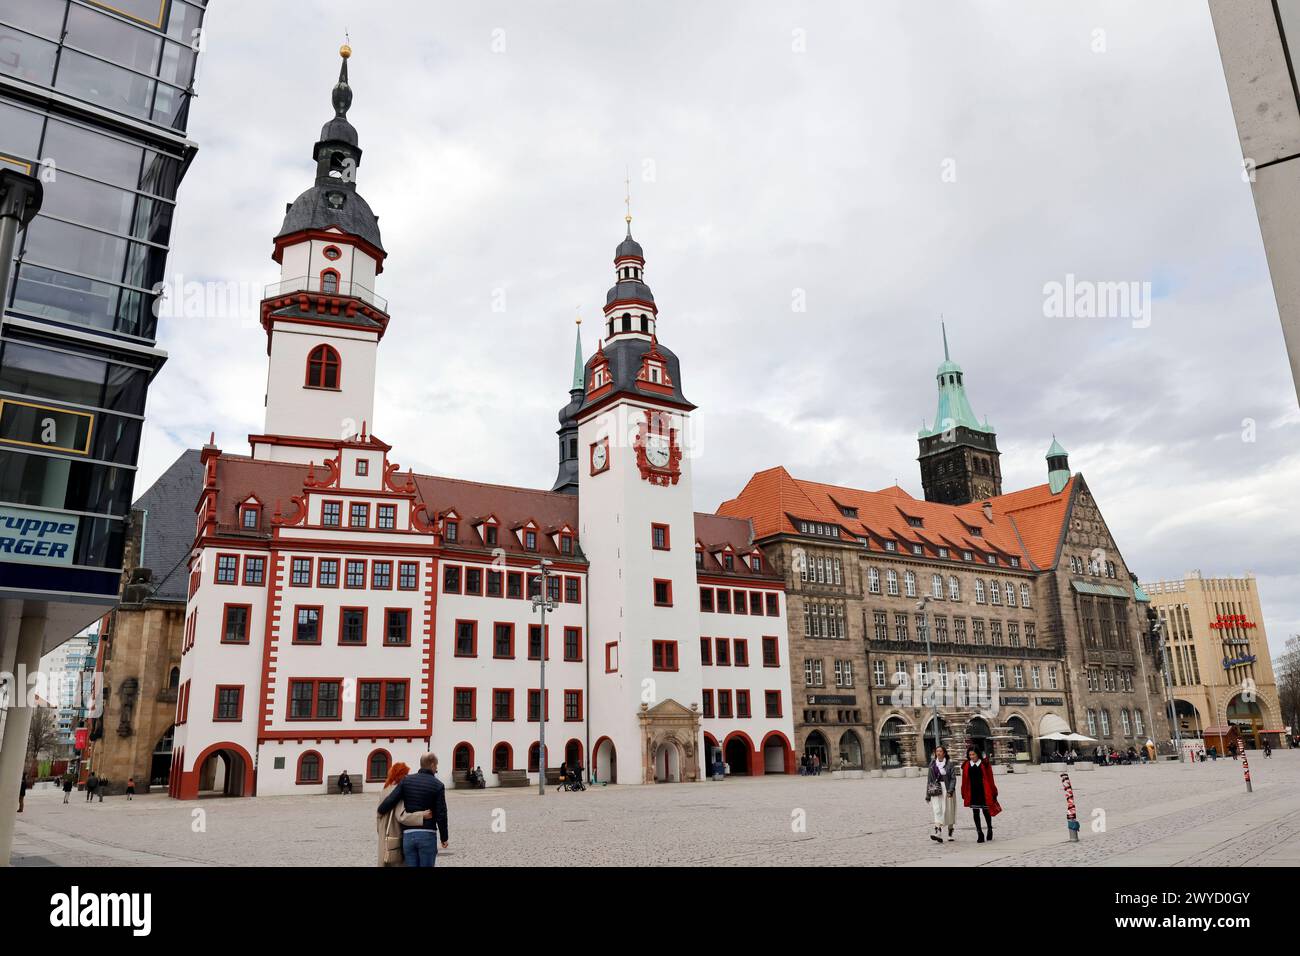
(329,286)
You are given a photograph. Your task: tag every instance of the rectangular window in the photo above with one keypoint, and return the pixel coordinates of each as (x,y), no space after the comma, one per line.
(515,584)
(535,705)
(755,602)
(773,606)
(227,568)
(451,579)
(381,575)
(300,573)
(451,531)
(611,657)
(553,589)
(363,467)
(706,650)
(706,599)
(878,672)
(229,704)
(315,699)
(328,573)
(573,643)
(722,652)
(573,705)
(352,626)
(503,704)
(738,602)
(463,703)
(234,626)
(503,640)
(395,694)
(408,576)
(331,515)
(254,571)
(659,537)
(494,582)
(354,574)
(663,593)
(397,626)
(771,652)
(387,517)
(359,515)
(535,642)
(740,652)
(307,625)
(572,590)
(664,655)
(370,696)
(708,703)
(530,540)
(742,703)
(490,535)
(772,703)
(724,601)
(724,703)
(467,638)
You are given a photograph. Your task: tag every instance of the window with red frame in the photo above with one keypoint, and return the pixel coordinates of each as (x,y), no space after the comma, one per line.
(474,581)
(724,703)
(408,573)
(773,606)
(706,599)
(300,573)
(323,366)
(234,624)
(573,643)
(463,703)
(494,584)
(771,652)
(359,515)
(386,517)
(535,705)
(740,652)
(611,657)
(708,703)
(327,573)
(254,571)
(377,765)
(664,655)
(739,603)
(742,703)
(503,704)
(467,638)
(307,625)
(229,705)
(663,593)
(451,579)
(352,626)
(397,627)
(503,641)
(227,568)
(382,699)
(535,642)
(724,601)
(329,281)
(573,705)
(381,575)
(659,539)
(248,517)
(354,574)
(310,767)
(572,590)
(331,514)
(312,699)
(722,654)
(772,703)
(755,602)
(706,650)
(363,467)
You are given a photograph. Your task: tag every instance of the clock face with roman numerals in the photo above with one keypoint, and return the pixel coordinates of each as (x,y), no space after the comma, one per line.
(658,453)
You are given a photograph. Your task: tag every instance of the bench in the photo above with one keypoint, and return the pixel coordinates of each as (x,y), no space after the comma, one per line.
(553,775)
(460,780)
(512,778)
(332,783)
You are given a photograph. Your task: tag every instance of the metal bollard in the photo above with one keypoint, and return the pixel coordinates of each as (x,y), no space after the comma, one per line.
(1071,816)
(1245,768)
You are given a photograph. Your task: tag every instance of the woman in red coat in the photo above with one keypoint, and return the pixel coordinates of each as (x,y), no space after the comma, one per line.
(979,792)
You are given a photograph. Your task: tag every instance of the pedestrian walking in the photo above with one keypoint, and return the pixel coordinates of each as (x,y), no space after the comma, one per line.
(130,787)
(92,784)
(979,791)
(100,787)
(22,793)
(817,765)
(418,792)
(941,795)
(67,786)
(389,825)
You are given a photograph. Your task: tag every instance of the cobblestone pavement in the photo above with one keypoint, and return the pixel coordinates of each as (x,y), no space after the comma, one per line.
(1166,814)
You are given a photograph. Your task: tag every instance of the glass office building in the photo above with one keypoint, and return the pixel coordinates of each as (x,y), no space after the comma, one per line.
(94,100)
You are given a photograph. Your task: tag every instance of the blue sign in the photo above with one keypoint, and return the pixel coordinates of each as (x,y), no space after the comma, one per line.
(1229,664)
(36,537)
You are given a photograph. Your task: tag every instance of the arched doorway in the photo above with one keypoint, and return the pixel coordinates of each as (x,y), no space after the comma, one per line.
(1019,736)
(462,758)
(573,753)
(778,755)
(979,736)
(1248,717)
(851,750)
(1188,717)
(668,762)
(606,760)
(712,753)
(737,751)
(224,769)
(815,745)
(160,763)
(891,748)
(945,737)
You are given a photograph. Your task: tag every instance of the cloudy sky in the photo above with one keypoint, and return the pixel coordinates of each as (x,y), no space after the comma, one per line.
(814,185)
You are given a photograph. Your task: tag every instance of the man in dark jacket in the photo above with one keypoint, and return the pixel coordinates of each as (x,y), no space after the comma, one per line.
(421,791)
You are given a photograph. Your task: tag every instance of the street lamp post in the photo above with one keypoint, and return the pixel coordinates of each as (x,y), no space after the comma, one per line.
(542,601)
(925,628)
(1171,705)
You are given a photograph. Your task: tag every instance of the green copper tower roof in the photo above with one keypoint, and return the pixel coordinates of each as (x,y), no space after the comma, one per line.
(954,409)
(1056,449)
(579,366)
(1058,467)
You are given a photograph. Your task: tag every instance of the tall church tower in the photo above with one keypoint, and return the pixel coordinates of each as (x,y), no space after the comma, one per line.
(566,480)
(322,319)
(959,456)
(638,532)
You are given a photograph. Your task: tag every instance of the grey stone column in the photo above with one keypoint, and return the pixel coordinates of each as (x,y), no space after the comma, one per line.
(13,745)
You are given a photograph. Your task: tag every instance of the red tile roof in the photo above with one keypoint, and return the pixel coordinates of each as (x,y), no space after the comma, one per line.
(1024,524)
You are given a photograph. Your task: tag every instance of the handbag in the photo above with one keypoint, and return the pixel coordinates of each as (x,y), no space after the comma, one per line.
(934,789)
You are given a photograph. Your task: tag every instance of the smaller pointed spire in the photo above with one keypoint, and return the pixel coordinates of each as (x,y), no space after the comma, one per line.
(944,329)
(579,366)
(341,96)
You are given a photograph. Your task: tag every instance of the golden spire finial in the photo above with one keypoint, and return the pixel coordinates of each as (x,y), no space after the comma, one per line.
(578,317)
(345,50)
(627,198)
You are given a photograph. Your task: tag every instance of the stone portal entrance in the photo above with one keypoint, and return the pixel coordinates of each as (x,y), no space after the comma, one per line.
(669,733)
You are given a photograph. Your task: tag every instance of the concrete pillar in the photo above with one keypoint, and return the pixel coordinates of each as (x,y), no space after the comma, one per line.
(13,745)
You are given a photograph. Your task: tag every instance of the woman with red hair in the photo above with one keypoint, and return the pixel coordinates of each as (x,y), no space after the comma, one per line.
(389,825)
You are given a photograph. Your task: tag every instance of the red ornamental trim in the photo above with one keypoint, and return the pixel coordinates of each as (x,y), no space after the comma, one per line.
(331,480)
(405,488)
(669,474)
(298,517)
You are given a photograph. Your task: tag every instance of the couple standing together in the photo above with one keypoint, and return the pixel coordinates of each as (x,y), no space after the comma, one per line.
(978,791)
(412,815)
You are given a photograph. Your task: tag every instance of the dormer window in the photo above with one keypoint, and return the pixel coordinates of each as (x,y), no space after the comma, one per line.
(490,535)
(756,561)
(914,522)
(323,368)
(891,546)
(848,512)
(729,562)
(699,560)
(917,549)
(248,517)
(566,544)
(363,467)
(530,540)
(451,531)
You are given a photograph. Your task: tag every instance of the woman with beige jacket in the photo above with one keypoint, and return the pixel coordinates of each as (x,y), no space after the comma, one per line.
(389,826)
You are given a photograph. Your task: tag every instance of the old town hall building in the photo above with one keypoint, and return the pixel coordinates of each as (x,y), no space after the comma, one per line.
(344,615)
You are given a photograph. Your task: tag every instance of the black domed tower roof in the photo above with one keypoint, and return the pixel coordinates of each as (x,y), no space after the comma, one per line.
(333,200)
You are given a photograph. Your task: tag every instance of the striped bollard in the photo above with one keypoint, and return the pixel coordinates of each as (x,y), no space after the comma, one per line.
(1245,768)
(1071,816)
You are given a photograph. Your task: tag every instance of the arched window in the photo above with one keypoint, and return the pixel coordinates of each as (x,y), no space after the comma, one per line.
(979,591)
(323,367)
(891,580)
(174,679)
(329,281)
(627,321)
(909,583)
(532,757)
(377,765)
(936,586)
(995,593)
(954,589)
(1024,595)
(309,767)
(501,757)
(1011,594)
(462,758)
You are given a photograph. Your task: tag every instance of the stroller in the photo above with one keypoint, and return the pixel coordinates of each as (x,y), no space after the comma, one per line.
(571,780)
